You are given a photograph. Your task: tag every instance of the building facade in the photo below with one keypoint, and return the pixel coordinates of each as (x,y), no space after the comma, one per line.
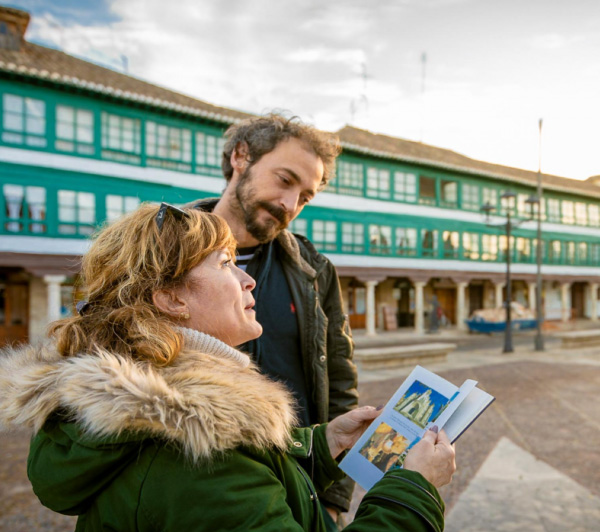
(81,144)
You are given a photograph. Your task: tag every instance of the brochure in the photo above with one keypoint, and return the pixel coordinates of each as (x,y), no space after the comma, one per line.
(424,399)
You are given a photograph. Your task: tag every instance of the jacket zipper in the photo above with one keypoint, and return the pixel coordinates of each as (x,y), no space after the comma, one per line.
(313,496)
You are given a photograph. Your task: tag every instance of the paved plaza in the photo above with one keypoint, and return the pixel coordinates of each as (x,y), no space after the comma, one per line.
(530,463)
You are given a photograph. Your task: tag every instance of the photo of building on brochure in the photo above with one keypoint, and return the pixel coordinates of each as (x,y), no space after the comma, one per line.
(384,447)
(421,404)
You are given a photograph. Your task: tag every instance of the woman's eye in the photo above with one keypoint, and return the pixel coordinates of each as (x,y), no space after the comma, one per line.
(227,262)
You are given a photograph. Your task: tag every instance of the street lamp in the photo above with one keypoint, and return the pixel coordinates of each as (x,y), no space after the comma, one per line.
(536,214)
(507,201)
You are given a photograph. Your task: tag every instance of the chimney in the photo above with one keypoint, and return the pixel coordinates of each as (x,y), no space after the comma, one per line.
(13,25)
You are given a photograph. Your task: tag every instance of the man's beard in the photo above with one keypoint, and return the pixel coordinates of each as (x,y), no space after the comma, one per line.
(263,231)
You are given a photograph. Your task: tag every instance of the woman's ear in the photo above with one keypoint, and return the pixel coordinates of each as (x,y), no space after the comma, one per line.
(170,303)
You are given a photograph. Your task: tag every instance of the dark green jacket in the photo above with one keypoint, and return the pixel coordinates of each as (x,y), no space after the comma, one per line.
(137,484)
(202,444)
(326,342)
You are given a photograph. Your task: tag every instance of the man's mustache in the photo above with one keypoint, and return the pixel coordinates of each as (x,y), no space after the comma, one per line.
(278,213)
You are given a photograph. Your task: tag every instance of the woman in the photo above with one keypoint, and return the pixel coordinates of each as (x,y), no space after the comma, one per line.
(147,418)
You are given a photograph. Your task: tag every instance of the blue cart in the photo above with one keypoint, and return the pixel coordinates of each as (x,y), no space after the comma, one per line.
(489,327)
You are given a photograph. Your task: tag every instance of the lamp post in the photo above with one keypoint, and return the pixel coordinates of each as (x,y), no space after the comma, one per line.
(507,200)
(539,339)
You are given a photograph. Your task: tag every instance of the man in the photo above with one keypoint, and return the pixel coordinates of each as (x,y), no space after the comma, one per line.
(274,167)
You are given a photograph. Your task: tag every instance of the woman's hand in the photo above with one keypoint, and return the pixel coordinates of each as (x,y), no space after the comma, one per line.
(343,432)
(433,457)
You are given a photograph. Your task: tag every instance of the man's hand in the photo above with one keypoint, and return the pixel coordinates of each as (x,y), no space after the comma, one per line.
(433,457)
(343,432)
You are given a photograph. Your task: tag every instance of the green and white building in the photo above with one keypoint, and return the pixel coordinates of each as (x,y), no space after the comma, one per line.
(81,144)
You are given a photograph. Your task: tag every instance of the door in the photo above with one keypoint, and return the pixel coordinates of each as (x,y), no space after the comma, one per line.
(475,297)
(447,300)
(357,305)
(14,315)
(578,300)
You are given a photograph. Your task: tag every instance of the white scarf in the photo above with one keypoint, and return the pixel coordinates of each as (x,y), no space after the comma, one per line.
(199,341)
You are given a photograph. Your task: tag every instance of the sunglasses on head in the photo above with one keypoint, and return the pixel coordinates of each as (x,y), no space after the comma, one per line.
(164,208)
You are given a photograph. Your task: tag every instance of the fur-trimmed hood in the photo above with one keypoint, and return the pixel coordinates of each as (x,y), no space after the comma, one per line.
(203,402)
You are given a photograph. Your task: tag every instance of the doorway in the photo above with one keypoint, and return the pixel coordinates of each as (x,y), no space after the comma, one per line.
(447,299)
(14,310)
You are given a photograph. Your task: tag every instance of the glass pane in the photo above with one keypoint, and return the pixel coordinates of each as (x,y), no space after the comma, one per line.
(86,200)
(13,122)
(13,103)
(131,203)
(114,202)
(65,131)
(35,108)
(64,114)
(85,134)
(36,195)
(66,198)
(85,118)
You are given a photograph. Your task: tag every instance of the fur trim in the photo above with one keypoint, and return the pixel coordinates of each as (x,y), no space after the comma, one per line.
(204,403)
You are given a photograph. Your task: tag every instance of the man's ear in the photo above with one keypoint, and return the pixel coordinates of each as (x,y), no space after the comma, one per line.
(170,303)
(239,157)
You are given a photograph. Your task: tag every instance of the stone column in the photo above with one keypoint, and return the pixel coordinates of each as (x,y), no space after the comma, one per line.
(461,288)
(565,303)
(531,286)
(594,301)
(419,306)
(53,283)
(370,318)
(499,300)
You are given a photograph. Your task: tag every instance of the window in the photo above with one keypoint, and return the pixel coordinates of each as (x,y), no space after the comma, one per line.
(594,254)
(470,197)
(116,206)
(568,212)
(350,178)
(489,195)
(209,150)
(523,208)
(504,248)
(324,235)
(553,207)
(74,130)
(429,243)
(353,238)
(470,246)
(555,252)
(23,205)
(582,253)
(121,138)
(165,144)
(299,226)
(24,121)
(449,190)
(378,183)
(523,249)
(594,215)
(380,239)
(581,213)
(451,243)
(76,212)
(489,247)
(426,190)
(406,241)
(405,187)
(570,252)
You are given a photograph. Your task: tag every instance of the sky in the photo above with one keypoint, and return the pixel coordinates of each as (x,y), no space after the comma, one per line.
(473,76)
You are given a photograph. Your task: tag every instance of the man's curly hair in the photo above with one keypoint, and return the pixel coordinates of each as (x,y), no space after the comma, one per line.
(263,134)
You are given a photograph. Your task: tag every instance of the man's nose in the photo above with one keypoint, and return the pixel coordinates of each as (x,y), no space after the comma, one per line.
(289,202)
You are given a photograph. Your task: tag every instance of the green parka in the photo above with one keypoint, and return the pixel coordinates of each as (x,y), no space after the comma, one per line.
(200,445)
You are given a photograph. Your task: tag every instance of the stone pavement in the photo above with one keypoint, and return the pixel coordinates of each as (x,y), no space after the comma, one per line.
(530,463)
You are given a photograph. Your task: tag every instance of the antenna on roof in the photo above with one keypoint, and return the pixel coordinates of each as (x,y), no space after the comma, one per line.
(423,77)
(125,63)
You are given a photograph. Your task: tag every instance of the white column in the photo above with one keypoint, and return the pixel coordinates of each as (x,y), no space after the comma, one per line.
(594,301)
(419,306)
(461,288)
(565,301)
(531,286)
(53,283)
(499,300)
(371,307)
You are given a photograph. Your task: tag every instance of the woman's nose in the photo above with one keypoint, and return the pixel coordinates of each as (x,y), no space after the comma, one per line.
(247,281)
